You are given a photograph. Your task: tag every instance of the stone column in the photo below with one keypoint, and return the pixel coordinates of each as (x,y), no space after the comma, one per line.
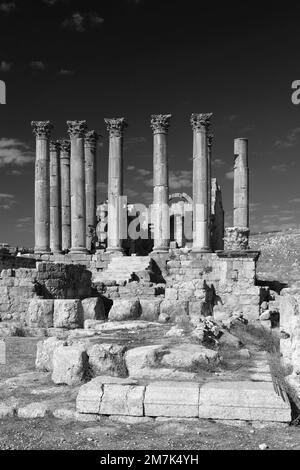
(201,213)
(161,216)
(42,131)
(115,128)
(90,148)
(55,198)
(209,164)
(76,130)
(65,148)
(241,184)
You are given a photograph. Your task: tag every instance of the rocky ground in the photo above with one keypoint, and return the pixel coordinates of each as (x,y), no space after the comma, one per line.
(278,262)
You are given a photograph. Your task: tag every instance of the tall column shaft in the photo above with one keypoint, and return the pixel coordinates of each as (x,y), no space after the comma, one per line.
(90,147)
(55,198)
(76,131)
(115,128)
(209,165)
(161,215)
(201,213)
(65,195)
(241,184)
(42,131)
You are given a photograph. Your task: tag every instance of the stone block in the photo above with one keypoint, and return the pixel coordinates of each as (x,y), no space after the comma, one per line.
(141,358)
(70,364)
(150,309)
(176,310)
(172,399)
(68,314)
(34,410)
(248,401)
(190,356)
(93,309)
(122,400)
(40,313)
(125,310)
(107,359)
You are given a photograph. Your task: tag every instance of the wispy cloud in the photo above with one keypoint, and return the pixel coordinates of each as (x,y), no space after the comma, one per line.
(24,224)
(279,169)
(7,201)
(14,153)
(290,140)
(38,65)
(218,163)
(66,72)
(229,175)
(296,200)
(80,22)
(7,7)
(5,66)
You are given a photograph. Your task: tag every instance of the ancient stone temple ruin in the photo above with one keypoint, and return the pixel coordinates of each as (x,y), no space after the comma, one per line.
(174,290)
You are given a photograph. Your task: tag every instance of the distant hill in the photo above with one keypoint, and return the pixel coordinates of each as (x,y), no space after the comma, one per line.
(280,255)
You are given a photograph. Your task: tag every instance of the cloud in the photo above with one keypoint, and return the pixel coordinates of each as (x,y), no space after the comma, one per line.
(295,201)
(24,223)
(218,163)
(130,168)
(66,72)
(180,179)
(5,66)
(254,205)
(80,22)
(51,3)
(37,65)
(290,140)
(142,172)
(7,7)
(229,175)
(6,201)
(279,169)
(14,153)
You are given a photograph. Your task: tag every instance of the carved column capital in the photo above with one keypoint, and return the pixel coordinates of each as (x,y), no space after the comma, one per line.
(116,126)
(42,129)
(200,121)
(76,129)
(237,238)
(54,146)
(65,146)
(91,138)
(160,123)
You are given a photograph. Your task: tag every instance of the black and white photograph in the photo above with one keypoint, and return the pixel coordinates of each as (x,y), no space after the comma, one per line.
(149,229)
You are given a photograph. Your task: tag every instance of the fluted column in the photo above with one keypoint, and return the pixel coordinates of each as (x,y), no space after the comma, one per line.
(55,198)
(161,215)
(200,124)
(76,130)
(90,148)
(241,184)
(65,149)
(209,160)
(42,131)
(115,128)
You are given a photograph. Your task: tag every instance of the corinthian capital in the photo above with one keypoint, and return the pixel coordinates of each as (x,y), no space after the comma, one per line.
(76,128)
(42,129)
(54,146)
(91,138)
(116,126)
(160,123)
(65,146)
(201,121)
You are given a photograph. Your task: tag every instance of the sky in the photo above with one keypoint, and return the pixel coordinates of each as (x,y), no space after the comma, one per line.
(66,59)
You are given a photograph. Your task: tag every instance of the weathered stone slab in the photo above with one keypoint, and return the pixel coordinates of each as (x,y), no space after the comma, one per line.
(143,357)
(69,364)
(34,410)
(176,310)
(93,309)
(190,355)
(44,353)
(242,400)
(172,399)
(68,314)
(90,394)
(107,359)
(125,310)
(122,400)
(40,313)
(150,309)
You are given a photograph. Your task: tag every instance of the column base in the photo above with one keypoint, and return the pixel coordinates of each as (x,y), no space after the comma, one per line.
(201,250)
(117,251)
(78,250)
(42,251)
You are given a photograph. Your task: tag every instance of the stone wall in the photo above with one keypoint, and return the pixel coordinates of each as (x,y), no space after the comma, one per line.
(8,261)
(290,329)
(229,279)
(17,288)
